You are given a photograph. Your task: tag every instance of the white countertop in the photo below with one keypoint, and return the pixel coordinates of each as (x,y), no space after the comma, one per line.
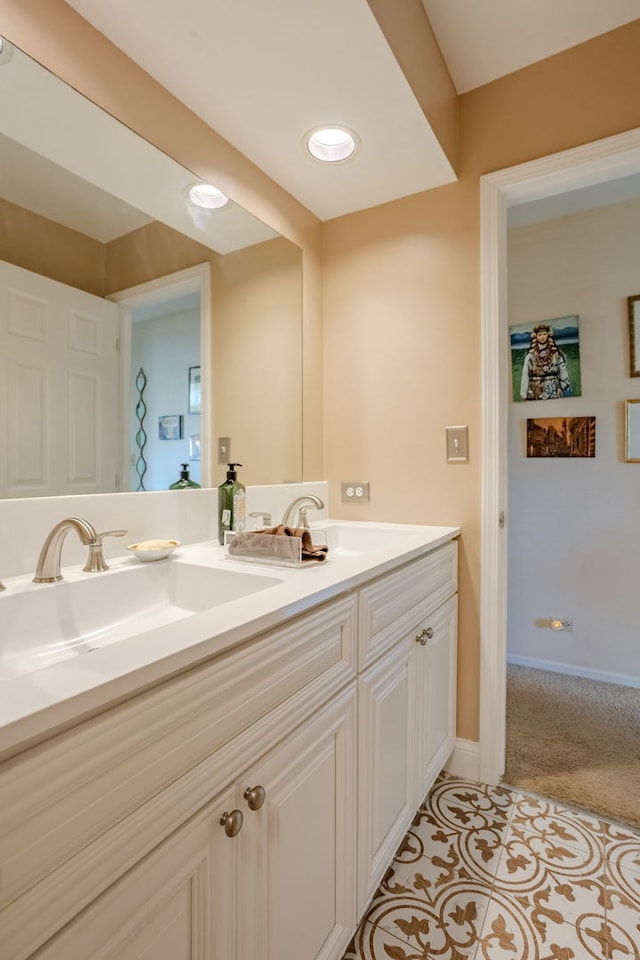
(36,704)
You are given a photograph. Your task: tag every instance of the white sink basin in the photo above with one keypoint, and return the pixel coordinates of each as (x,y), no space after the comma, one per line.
(45,623)
(354,539)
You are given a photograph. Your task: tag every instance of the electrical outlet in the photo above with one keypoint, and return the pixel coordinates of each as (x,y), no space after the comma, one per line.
(557,624)
(355,491)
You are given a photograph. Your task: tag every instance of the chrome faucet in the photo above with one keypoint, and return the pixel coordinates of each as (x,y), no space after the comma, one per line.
(302,504)
(48,566)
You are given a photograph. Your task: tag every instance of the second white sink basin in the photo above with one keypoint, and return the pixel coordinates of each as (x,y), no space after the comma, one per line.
(354,539)
(45,623)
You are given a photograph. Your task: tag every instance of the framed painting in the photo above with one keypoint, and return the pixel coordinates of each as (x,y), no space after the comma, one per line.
(170,427)
(634,335)
(545,359)
(561,437)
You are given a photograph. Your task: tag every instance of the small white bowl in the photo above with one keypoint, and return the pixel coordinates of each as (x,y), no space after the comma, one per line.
(153,549)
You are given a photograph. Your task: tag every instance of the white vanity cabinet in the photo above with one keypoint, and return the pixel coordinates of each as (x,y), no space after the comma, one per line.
(236,882)
(245,808)
(408,645)
(86,815)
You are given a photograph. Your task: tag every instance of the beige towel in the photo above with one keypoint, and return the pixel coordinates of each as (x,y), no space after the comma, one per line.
(253,543)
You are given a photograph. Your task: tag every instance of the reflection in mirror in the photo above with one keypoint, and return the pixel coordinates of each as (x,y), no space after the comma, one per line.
(632,431)
(106,267)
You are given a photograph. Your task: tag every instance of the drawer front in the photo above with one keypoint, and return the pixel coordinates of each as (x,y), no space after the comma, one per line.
(58,797)
(384,605)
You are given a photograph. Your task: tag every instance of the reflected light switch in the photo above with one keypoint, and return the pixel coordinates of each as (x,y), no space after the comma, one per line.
(457,444)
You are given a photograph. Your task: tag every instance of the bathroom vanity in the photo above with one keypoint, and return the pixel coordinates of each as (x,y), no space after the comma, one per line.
(239,794)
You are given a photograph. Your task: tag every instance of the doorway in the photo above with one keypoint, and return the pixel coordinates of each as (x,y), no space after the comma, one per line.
(165,332)
(601,161)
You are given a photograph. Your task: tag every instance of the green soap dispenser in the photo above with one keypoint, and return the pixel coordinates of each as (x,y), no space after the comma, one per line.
(231,504)
(184,483)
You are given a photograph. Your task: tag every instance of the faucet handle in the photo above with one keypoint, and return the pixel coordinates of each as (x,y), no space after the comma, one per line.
(95,561)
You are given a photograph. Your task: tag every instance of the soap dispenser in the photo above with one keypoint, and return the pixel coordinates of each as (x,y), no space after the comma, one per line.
(184,483)
(231,504)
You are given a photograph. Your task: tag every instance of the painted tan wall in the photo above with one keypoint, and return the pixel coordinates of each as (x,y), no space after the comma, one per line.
(35,243)
(402,309)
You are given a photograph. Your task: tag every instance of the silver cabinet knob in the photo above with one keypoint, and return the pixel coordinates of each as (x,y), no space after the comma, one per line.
(255,797)
(426,634)
(232,822)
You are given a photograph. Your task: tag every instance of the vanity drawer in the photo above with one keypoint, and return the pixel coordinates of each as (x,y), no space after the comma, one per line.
(59,796)
(384,604)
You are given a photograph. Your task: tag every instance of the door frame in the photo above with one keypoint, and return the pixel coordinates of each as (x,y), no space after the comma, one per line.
(597,162)
(191,280)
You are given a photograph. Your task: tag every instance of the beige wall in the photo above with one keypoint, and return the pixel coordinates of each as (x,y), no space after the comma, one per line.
(30,241)
(402,308)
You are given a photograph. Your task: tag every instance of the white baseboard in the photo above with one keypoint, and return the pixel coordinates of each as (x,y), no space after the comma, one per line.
(465,760)
(620,678)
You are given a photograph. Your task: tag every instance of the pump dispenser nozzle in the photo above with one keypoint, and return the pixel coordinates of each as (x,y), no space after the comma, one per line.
(232,473)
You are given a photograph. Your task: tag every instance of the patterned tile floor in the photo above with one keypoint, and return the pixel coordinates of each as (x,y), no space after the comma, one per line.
(487,873)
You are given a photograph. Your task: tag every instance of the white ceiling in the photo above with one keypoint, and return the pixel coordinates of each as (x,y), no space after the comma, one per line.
(262,74)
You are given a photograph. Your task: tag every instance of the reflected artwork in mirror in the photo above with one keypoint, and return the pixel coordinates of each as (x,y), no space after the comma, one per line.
(106,268)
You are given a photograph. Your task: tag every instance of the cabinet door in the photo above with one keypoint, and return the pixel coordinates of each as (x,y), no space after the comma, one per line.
(386,761)
(176,904)
(298,850)
(435,678)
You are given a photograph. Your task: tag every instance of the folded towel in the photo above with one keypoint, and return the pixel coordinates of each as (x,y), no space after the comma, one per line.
(254,543)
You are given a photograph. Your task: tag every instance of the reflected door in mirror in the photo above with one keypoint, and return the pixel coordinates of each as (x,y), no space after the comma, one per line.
(59,422)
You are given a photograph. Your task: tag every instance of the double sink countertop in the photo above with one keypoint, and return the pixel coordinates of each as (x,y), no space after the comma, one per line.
(214,602)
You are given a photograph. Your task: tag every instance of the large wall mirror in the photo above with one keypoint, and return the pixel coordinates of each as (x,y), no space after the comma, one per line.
(107,269)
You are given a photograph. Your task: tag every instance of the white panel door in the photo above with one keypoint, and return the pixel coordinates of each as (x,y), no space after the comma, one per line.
(59,388)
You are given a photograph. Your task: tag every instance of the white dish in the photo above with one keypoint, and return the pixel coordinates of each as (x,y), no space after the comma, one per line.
(153,549)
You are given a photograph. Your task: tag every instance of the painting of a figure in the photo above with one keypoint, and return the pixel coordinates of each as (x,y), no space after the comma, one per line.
(561,437)
(545,359)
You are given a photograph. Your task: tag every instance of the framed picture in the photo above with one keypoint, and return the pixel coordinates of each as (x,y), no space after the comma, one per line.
(194,390)
(634,336)
(194,446)
(561,437)
(632,431)
(545,359)
(170,427)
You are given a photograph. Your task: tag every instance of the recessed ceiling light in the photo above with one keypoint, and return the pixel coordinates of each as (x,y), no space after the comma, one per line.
(204,195)
(332,144)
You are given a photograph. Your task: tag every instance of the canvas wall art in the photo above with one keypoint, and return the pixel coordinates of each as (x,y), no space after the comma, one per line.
(561,437)
(545,359)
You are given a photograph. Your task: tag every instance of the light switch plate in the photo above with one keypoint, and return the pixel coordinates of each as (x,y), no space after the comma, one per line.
(457,444)
(224,449)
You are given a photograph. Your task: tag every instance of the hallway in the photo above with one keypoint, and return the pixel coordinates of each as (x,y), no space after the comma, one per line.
(489,873)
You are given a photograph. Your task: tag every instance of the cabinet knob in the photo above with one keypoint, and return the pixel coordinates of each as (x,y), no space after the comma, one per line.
(232,822)
(426,634)
(255,796)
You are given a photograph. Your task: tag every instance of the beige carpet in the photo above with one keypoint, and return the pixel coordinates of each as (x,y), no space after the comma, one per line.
(574,740)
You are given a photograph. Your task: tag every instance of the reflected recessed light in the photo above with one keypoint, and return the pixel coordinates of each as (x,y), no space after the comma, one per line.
(332,144)
(204,195)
